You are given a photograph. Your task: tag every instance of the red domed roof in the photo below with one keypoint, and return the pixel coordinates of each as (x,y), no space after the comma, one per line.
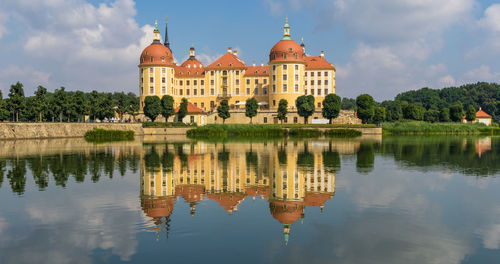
(317,199)
(287,212)
(190,193)
(156,54)
(287,51)
(227,200)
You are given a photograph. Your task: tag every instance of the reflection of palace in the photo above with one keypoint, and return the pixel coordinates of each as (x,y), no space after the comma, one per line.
(293,176)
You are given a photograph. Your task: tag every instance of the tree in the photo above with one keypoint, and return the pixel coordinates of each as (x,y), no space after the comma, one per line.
(133,107)
(456,112)
(167,107)
(282,110)
(60,103)
(40,104)
(366,107)
(93,104)
(331,106)
(16,103)
(444,115)
(183,111)
(348,104)
(152,107)
(393,110)
(413,112)
(4,112)
(80,105)
(431,115)
(470,115)
(121,102)
(223,111)
(379,115)
(305,106)
(251,106)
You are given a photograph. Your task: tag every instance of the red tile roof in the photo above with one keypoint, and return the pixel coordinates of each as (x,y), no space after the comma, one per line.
(482,114)
(318,62)
(157,52)
(192,109)
(288,47)
(257,71)
(228,60)
(189,72)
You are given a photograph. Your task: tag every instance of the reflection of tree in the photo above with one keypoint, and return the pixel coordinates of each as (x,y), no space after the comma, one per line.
(282,156)
(331,159)
(40,171)
(305,159)
(365,157)
(2,171)
(251,159)
(152,160)
(167,160)
(182,156)
(17,175)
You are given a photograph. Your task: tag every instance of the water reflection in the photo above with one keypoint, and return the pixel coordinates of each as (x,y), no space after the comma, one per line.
(291,175)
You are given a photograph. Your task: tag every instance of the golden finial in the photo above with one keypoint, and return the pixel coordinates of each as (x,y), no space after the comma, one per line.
(302,39)
(165,19)
(156,23)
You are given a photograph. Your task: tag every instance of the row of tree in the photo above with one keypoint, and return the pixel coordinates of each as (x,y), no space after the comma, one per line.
(62,105)
(431,105)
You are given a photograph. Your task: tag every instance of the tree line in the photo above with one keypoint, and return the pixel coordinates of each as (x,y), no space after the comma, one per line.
(431,105)
(64,106)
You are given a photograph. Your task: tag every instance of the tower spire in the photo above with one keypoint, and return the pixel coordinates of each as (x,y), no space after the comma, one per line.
(166,43)
(286,33)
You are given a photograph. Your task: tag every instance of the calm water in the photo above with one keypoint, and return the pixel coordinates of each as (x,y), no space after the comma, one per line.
(369,200)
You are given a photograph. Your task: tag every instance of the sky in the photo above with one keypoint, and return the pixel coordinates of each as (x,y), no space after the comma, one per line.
(380,47)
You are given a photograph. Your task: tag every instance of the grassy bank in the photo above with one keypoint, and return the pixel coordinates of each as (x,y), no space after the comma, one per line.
(171,124)
(264,132)
(327,125)
(100,135)
(416,127)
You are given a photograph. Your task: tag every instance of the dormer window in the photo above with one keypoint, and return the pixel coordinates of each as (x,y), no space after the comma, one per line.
(230,64)
(146,53)
(284,55)
(194,65)
(296,56)
(151,59)
(189,66)
(162,59)
(218,64)
(290,49)
(274,56)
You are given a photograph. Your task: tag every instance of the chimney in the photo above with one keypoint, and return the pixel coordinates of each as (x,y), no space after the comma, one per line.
(261,64)
(230,50)
(322,54)
(253,63)
(236,53)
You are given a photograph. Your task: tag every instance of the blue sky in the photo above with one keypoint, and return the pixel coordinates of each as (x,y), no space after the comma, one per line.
(379,47)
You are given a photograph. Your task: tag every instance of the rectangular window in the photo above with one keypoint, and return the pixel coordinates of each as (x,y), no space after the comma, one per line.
(212,82)
(312,82)
(180,91)
(274,88)
(274,102)
(296,77)
(163,90)
(256,81)
(248,91)
(256,91)
(195,82)
(212,104)
(305,83)
(195,92)
(237,82)
(181,82)
(265,120)
(162,70)
(187,92)
(296,88)
(274,77)
(151,79)
(237,90)
(151,90)
(285,88)
(202,82)
(326,73)
(295,120)
(187,82)
(202,91)
(237,72)
(305,74)
(162,79)
(312,74)
(319,91)
(284,77)
(203,105)
(296,67)
(264,90)
(285,67)
(326,82)
(191,118)
(212,73)
(265,81)
(248,81)
(212,92)
(326,91)
(319,82)
(274,67)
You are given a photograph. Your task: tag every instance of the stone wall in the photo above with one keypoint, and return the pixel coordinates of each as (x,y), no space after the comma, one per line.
(59,130)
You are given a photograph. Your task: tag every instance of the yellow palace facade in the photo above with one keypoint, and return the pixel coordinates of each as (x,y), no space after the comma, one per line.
(289,74)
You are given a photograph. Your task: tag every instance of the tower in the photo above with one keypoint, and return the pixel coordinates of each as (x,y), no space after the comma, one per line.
(287,66)
(166,43)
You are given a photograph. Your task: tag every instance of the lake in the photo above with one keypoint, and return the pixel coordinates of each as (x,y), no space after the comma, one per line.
(374,199)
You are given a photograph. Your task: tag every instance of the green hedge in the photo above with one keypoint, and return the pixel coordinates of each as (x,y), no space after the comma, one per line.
(171,124)
(223,131)
(304,133)
(419,127)
(328,125)
(343,133)
(104,135)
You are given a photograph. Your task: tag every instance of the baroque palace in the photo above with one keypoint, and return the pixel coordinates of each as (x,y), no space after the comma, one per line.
(289,74)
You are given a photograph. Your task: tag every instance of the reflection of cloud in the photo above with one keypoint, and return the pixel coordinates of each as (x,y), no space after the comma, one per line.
(491,237)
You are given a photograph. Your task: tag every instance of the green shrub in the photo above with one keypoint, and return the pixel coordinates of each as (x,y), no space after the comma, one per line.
(224,131)
(104,135)
(414,127)
(329,125)
(304,132)
(343,133)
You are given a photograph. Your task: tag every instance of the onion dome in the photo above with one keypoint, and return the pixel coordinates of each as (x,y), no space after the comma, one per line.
(286,212)
(156,53)
(287,50)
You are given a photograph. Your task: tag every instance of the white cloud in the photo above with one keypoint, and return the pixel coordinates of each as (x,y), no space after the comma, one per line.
(275,8)
(27,75)
(3,28)
(483,73)
(491,19)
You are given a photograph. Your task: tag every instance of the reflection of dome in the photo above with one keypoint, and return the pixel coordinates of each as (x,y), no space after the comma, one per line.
(157,54)
(190,193)
(229,201)
(287,51)
(287,212)
(157,207)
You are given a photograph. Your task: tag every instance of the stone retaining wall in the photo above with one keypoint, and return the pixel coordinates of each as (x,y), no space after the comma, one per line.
(59,130)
